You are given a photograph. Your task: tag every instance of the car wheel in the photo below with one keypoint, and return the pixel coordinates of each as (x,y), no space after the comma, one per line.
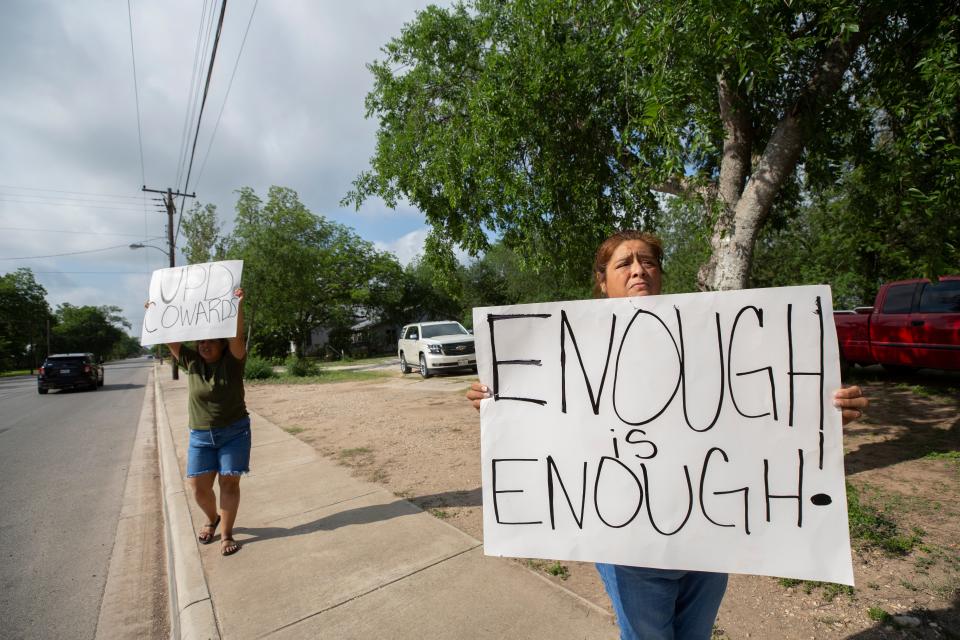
(845,367)
(94,386)
(41,391)
(404,367)
(101,381)
(424,372)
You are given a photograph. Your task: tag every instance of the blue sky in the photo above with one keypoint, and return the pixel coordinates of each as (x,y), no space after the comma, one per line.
(70,163)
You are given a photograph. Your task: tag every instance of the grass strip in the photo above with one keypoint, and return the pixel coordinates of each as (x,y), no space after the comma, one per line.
(325,377)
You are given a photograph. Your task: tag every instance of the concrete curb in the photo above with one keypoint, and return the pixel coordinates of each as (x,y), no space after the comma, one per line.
(133,606)
(191,609)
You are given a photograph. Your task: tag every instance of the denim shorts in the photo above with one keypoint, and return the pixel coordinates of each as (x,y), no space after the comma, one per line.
(661,604)
(223,450)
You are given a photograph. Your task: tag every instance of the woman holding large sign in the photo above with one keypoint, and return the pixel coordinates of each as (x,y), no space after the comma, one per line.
(658,603)
(219,427)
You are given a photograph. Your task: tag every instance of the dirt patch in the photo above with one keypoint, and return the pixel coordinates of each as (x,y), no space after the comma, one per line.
(421,439)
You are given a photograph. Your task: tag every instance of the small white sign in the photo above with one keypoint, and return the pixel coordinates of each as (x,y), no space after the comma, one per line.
(193,302)
(692,431)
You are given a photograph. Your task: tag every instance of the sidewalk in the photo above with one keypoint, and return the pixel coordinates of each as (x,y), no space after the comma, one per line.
(327,555)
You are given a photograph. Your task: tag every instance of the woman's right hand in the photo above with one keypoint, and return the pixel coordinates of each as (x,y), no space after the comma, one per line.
(478,391)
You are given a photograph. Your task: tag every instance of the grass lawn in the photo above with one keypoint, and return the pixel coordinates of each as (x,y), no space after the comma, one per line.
(18,372)
(359,361)
(328,376)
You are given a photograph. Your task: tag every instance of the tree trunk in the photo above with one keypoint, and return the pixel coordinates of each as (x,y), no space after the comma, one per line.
(737,227)
(744,207)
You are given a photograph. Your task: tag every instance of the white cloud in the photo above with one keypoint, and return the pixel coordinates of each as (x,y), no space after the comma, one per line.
(68,121)
(409,246)
(406,247)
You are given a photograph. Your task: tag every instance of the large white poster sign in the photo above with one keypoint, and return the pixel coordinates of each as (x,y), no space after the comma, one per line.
(691,431)
(192,302)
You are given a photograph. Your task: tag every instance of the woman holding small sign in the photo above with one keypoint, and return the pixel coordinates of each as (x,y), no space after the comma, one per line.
(658,603)
(219,427)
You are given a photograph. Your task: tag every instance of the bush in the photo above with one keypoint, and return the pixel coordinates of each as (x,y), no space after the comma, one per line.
(300,367)
(257,368)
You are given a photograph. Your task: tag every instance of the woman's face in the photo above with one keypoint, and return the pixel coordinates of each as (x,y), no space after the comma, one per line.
(210,350)
(633,270)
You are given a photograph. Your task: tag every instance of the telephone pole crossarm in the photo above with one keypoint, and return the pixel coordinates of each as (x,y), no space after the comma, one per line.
(171,210)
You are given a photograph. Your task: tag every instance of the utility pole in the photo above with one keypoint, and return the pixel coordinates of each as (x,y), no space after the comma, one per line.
(171,210)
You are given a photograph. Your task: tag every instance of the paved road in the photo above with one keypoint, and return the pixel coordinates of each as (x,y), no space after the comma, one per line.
(63,465)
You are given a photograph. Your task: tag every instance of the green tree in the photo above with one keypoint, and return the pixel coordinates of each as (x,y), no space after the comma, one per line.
(553,123)
(501,277)
(432,292)
(686,244)
(88,328)
(201,231)
(382,292)
(126,347)
(301,271)
(24,313)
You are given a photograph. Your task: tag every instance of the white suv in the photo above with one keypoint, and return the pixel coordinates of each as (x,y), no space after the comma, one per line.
(436,346)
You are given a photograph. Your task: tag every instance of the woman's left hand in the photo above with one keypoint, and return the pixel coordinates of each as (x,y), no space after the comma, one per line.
(851,402)
(238,293)
(478,391)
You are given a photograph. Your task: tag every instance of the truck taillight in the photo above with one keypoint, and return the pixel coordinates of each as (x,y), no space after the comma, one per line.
(86,368)
(41,371)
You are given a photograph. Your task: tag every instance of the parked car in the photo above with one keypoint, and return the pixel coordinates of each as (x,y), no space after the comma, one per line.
(912,324)
(436,346)
(70,371)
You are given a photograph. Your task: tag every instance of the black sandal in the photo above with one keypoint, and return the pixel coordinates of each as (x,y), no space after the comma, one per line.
(205,536)
(230,548)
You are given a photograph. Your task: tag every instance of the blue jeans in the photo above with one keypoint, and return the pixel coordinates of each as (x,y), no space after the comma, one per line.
(223,450)
(660,604)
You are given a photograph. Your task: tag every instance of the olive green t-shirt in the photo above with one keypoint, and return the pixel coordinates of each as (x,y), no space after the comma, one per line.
(215,389)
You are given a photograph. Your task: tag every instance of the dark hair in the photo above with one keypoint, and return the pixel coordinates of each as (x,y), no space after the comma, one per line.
(608,246)
(225,342)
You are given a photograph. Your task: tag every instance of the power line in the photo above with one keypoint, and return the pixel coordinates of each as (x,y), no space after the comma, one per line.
(80,193)
(87,233)
(199,56)
(45,198)
(203,102)
(67,204)
(136,94)
(203,165)
(70,253)
(95,207)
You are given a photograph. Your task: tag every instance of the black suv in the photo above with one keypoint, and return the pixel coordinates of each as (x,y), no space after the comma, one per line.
(70,371)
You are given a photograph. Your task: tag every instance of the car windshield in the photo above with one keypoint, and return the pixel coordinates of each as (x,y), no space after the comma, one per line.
(445,329)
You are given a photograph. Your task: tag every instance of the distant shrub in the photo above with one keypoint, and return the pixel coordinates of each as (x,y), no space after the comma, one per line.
(257,368)
(300,367)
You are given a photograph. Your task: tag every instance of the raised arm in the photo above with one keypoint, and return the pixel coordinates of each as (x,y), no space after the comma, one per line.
(238,343)
(173,346)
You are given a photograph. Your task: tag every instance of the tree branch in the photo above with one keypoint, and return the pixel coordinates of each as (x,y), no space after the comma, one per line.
(734,235)
(737,142)
(685,187)
(782,152)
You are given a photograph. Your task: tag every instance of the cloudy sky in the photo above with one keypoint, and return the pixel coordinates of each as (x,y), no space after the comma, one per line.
(70,161)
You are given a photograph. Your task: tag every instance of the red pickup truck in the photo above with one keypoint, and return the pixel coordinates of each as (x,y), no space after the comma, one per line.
(913,324)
